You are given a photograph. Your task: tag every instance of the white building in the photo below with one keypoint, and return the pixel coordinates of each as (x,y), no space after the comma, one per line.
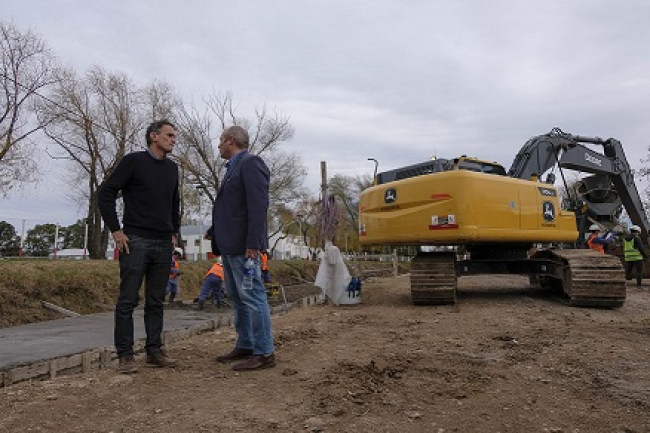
(196,248)
(286,246)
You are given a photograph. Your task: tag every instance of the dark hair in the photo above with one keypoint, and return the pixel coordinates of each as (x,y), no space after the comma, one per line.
(156,127)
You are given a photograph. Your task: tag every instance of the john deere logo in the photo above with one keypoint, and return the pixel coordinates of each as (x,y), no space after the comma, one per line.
(548,211)
(390,196)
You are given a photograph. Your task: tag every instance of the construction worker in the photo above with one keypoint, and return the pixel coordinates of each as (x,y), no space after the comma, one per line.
(212,285)
(635,255)
(264,266)
(597,242)
(174,273)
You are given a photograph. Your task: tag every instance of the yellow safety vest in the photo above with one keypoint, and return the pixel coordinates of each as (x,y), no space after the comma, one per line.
(631,253)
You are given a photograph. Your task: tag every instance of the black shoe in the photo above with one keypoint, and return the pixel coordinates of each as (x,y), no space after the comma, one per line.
(235,354)
(256,362)
(199,306)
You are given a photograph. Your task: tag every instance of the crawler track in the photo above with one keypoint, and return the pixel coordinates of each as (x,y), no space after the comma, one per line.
(433,279)
(590,279)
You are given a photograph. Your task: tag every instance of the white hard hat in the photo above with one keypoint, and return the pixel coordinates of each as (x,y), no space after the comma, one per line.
(178,251)
(636,229)
(594,227)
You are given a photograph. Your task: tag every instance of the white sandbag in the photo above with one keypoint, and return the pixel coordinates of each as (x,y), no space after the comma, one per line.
(333,277)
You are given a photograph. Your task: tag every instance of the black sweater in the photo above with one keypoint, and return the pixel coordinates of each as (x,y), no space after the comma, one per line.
(150,190)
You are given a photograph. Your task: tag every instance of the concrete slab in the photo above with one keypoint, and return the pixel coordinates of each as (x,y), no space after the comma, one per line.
(25,344)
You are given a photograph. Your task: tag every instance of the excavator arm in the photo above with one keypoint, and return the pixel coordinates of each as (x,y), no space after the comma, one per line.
(541,153)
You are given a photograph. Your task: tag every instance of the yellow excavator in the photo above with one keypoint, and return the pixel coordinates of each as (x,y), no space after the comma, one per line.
(505,222)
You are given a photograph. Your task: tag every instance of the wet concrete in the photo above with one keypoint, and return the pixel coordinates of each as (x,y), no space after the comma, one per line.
(25,344)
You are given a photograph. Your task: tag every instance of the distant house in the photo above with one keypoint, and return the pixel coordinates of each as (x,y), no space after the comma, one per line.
(71,254)
(195,247)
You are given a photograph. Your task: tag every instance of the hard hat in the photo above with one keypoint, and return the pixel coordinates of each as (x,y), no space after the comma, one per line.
(635,229)
(178,251)
(594,228)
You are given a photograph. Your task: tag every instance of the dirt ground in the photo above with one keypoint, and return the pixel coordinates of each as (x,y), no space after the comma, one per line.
(506,358)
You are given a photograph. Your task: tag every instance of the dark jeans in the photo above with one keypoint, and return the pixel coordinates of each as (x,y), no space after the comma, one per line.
(636,266)
(148,259)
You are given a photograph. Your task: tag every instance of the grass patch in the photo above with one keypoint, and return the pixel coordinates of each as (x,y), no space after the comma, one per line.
(92,286)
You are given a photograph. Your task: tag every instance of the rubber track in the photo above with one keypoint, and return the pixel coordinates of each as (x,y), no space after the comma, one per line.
(591,279)
(433,279)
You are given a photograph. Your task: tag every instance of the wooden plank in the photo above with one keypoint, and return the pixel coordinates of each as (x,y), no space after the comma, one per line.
(105,358)
(53,369)
(86,362)
(26,372)
(60,309)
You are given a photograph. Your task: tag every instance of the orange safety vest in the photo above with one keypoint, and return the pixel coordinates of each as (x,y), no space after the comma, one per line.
(174,268)
(217,270)
(596,247)
(264,265)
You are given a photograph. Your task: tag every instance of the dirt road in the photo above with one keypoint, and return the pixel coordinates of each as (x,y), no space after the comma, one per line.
(505,359)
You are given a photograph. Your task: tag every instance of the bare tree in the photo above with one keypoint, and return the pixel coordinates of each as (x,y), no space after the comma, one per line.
(197,154)
(95,120)
(348,189)
(26,68)
(268,130)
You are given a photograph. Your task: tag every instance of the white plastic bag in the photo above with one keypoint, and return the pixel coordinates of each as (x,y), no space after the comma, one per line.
(333,277)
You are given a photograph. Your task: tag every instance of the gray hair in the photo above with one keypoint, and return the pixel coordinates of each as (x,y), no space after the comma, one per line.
(239,134)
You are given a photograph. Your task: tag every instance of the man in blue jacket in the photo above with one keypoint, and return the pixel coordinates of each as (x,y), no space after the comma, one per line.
(239,232)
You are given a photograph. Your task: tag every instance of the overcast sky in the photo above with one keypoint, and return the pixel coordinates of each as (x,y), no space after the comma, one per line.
(399,81)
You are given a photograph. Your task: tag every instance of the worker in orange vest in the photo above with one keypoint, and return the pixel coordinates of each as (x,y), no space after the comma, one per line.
(174,272)
(597,242)
(212,285)
(264,266)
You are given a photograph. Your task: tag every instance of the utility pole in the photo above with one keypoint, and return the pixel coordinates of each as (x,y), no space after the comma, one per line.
(323,189)
(200,226)
(200,189)
(85,238)
(22,240)
(56,241)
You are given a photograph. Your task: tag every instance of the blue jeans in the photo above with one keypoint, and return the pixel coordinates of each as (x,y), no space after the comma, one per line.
(148,259)
(211,284)
(172,286)
(251,309)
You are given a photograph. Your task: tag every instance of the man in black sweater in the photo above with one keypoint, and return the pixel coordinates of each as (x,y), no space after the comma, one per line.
(149,185)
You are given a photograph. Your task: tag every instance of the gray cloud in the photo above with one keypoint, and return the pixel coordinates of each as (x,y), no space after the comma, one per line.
(397,81)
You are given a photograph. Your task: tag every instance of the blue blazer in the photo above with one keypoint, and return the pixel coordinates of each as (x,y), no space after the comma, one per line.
(239,214)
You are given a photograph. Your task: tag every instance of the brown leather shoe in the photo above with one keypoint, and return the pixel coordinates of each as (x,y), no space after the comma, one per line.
(235,354)
(256,362)
(127,365)
(160,359)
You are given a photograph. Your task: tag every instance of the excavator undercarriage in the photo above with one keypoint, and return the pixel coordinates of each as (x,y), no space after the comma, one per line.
(586,277)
